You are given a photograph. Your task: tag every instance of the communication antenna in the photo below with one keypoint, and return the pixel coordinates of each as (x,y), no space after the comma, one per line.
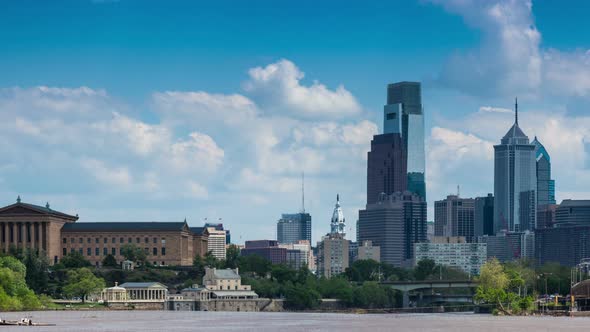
(302,192)
(458,191)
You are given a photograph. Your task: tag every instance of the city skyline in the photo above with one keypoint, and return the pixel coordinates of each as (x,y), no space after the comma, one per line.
(115,123)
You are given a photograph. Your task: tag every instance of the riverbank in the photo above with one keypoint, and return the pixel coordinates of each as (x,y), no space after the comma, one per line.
(69,321)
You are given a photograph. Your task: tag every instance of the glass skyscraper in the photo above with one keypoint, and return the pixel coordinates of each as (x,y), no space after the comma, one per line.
(545,186)
(515,181)
(294,227)
(404,115)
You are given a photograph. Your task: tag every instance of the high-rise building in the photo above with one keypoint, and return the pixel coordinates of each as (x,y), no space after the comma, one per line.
(332,255)
(515,181)
(267,249)
(454,216)
(545,185)
(306,255)
(294,227)
(394,223)
(333,249)
(508,246)
(219,227)
(453,252)
(217,242)
(386,166)
(546,215)
(404,115)
(568,241)
(484,215)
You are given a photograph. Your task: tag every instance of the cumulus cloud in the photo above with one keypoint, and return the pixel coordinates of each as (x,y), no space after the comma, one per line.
(278,87)
(510,59)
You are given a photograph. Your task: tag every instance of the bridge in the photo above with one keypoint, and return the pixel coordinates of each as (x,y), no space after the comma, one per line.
(406,286)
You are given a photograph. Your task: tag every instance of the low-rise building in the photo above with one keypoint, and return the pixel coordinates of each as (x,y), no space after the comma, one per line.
(453,252)
(267,249)
(368,251)
(136,295)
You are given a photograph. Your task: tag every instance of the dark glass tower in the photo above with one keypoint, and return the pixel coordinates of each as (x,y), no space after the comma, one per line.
(386,166)
(404,115)
(294,227)
(484,215)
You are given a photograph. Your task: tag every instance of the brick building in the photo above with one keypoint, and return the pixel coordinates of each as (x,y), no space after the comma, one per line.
(25,225)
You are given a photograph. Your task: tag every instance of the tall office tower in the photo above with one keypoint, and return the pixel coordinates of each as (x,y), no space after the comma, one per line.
(394,223)
(386,166)
(404,115)
(217,242)
(515,181)
(484,215)
(454,216)
(545,185)
(295,227)
(219,227)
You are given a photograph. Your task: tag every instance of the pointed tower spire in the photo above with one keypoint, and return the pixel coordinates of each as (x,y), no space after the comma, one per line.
(516,110)
(18,199)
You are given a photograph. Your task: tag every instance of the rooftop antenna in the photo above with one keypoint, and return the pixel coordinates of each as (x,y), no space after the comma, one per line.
(458,191)
(516,110)
(302,192)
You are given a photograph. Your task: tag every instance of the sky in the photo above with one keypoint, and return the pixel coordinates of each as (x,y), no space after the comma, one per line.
(211,110)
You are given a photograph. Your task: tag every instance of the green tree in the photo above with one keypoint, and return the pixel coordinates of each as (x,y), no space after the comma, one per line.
(255,264)
(36,265)
(299,297)
(14,293)
(231,256)
(336,288)
(82,282)
(425,269)
(211,261)
(74,260)
(109,261)
(372,295)
(133,253)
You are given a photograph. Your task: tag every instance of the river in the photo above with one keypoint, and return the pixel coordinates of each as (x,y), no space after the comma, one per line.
(285,321)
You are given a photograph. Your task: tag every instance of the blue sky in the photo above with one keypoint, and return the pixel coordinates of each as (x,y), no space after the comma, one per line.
(153,110)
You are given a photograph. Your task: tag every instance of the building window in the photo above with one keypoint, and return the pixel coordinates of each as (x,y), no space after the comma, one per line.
(65,240)
(121,240)
(146,250)
(81,251)
(163,241)
(97,252)
(114,251)
(72,240)
(155,251)
(113,240)
(129,240)
(64,251)
(88,251)
(155,240)
(163,253)
(89,240)
(72,250)
(137,240)
(81,240)
(105,251)
(105,240)
(97,240)
(146,240)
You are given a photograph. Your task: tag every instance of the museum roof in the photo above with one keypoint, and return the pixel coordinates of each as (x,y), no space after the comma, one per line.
(124,226)
(24,208)
(142,285)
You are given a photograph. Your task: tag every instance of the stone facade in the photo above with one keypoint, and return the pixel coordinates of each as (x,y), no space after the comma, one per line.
(56,234)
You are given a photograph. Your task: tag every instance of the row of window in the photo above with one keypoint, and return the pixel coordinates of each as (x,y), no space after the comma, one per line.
(113,252)
(113,240)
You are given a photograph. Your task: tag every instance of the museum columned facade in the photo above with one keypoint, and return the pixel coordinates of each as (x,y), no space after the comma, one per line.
(28,226)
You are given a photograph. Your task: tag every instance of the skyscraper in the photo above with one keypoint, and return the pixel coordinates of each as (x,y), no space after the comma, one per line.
(454,216)
(394,223)
(545,185)
(515,181)
(333,253)
(386,166)
(404,115)
(294,227)
(484,215)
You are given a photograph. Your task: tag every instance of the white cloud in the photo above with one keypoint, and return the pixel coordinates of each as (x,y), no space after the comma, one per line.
(278,87)
(510,60)
(495,109)
(198,152)
(197,190)
(115,176)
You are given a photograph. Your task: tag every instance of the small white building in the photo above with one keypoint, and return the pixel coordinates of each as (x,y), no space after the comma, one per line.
(453,252)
